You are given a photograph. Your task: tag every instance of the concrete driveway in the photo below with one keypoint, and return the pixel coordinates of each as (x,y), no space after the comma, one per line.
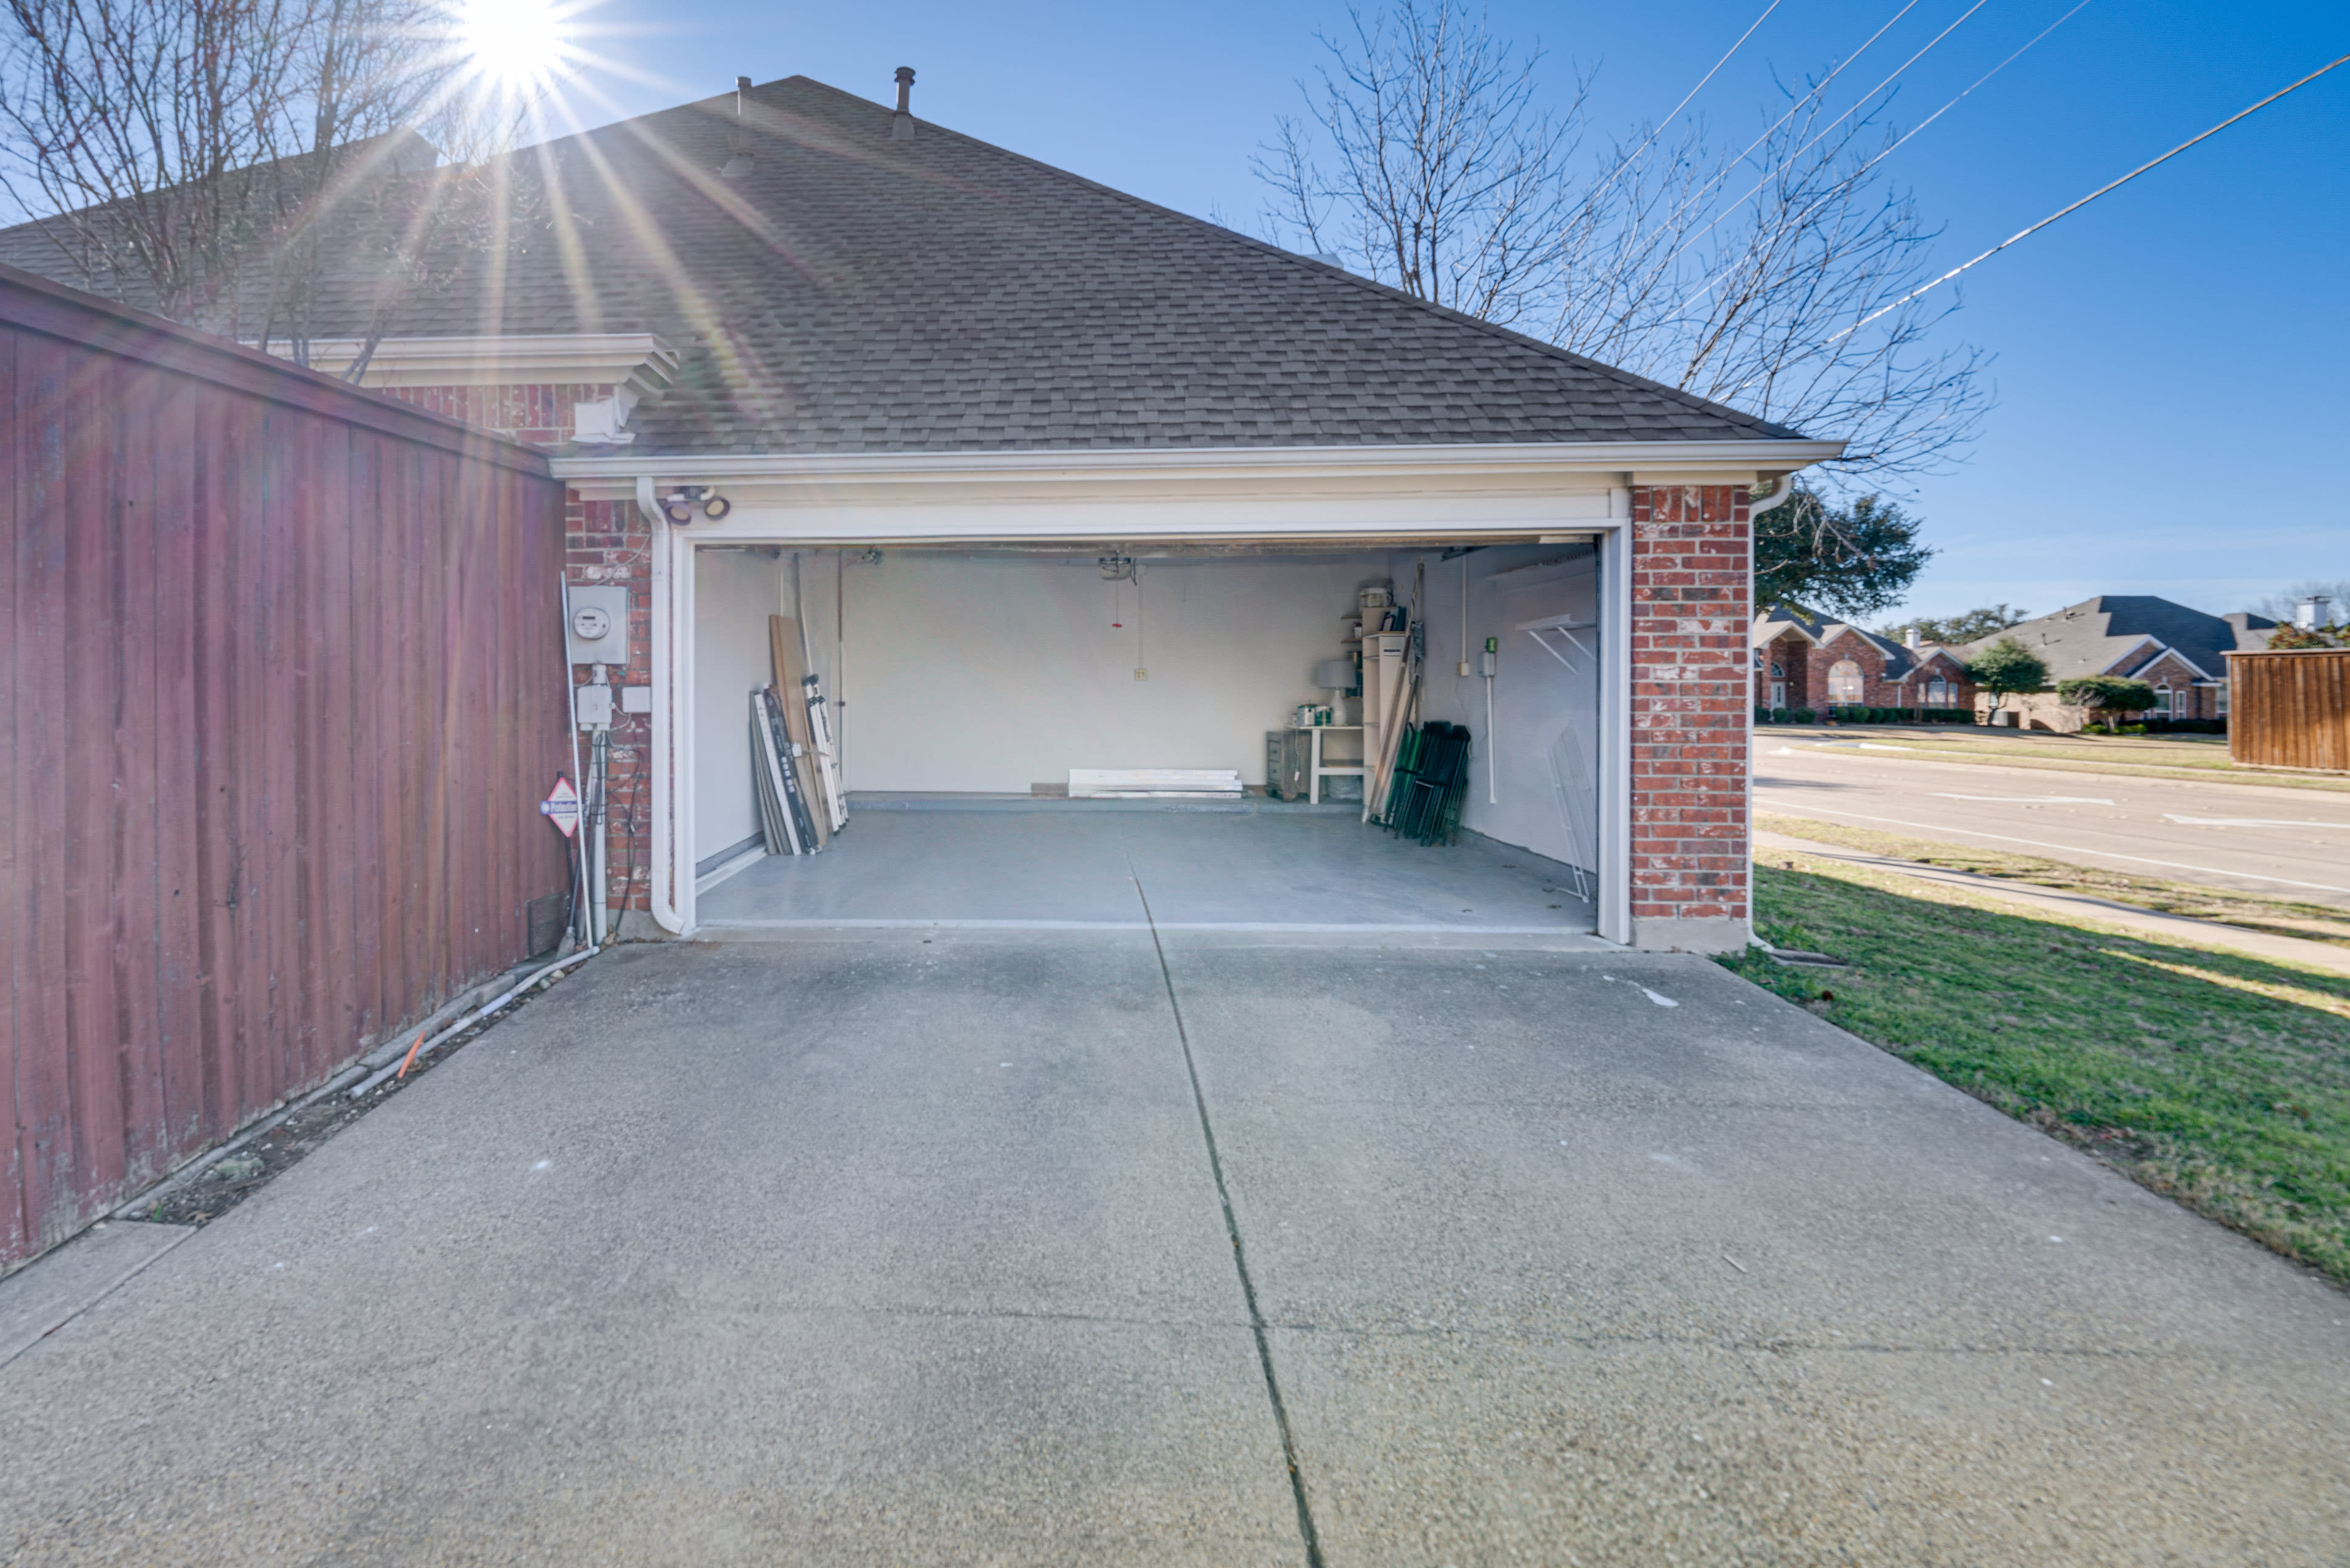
(2283,843)
(869,1249)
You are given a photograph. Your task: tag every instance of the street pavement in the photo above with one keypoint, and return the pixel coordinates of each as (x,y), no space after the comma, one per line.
(2281,842)
(883,1247)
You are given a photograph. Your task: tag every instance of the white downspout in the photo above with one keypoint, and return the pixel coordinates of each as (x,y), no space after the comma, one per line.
(1754,515)
(1615,636)
(664,890)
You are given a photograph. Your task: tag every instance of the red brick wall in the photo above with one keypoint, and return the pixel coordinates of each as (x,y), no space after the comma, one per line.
(1876,690)
(609,544)
(1792,653)
(2194,701)
(1807,670)
(1691,588)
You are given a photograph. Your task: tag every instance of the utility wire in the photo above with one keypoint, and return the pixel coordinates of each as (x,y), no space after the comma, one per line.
(1708,286)
(1770,130)
(1692,92)
(1715,221)
(2092,196)
(1623,163)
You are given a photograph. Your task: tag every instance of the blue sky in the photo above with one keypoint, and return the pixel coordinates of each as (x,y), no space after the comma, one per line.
(2173,362)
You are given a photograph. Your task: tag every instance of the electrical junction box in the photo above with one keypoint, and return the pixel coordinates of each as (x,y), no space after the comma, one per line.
(594,704)
(636,699)
(598,632)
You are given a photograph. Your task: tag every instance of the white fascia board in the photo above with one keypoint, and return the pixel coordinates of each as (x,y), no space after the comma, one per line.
(1446,468)
(1140,521)
(639,362)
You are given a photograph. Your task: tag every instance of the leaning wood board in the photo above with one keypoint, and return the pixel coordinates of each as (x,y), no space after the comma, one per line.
(791,689)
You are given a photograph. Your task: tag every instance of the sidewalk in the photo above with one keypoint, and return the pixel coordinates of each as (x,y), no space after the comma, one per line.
(2080,906)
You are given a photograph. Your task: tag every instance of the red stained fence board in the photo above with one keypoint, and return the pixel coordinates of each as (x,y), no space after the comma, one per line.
(284,682)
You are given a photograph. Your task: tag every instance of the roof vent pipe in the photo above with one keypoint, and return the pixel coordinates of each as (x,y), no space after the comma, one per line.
(901,124)
(738,161)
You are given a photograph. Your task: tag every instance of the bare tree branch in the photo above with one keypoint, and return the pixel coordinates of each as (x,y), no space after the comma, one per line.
(193,157)
(1446,179)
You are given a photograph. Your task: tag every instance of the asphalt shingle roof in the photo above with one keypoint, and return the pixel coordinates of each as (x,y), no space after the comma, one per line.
(1900,660)
(853,293)
(2108,636)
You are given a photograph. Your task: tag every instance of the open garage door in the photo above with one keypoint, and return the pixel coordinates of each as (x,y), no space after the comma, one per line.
(968,682)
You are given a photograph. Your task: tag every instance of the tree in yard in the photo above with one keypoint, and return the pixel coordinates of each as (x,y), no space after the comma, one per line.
(2008,667)
(1769,279)
(1853,559)
(1958,631)
(2283,607)
(2288,636)
(209,160)
(2107,696)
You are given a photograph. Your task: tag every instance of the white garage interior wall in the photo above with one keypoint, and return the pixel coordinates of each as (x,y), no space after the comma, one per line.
(734,592)
(984,671)
(1545,740)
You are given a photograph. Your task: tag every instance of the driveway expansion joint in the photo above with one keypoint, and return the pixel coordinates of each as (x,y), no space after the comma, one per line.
(1240,1253)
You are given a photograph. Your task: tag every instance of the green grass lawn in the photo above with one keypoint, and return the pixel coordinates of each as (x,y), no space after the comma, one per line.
(2221,1079)
(2247,912)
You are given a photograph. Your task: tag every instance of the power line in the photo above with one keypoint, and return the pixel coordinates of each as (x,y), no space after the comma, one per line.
(1623,163)
(1709,74)
(1713,222)
(1658,128)
(1862,171)
(1770,130)
(2092,196)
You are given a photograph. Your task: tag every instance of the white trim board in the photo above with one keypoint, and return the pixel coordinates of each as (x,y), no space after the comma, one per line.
(1412,476)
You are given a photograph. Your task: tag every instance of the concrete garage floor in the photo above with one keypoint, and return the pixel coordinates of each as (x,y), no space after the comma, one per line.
(906,1247)
(1003,861)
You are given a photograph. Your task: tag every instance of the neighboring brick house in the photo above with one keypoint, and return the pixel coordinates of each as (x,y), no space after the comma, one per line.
(1803,660)
(2179,652)
(875,337)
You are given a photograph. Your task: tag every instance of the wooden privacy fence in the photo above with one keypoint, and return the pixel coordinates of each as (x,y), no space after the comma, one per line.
(2289,709)
(285,684)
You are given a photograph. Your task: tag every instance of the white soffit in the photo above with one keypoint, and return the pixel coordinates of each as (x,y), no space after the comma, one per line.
(637,360)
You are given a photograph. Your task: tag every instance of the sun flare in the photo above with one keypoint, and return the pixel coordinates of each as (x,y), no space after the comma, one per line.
(518,46)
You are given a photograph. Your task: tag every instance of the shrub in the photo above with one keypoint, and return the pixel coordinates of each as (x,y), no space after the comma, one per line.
(2108,696)
(1800,716)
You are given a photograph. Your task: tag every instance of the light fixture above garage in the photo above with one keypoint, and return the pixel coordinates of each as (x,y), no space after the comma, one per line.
(680,504)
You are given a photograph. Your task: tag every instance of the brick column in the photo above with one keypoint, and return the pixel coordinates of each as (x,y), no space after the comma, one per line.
(610,545)
(1692,605)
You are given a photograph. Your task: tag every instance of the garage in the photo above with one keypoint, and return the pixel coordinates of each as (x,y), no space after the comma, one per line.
(1053,487)
(969,673)
(967,684)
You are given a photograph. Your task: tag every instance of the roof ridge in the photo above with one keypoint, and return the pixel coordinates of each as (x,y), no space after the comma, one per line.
(1772,431)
